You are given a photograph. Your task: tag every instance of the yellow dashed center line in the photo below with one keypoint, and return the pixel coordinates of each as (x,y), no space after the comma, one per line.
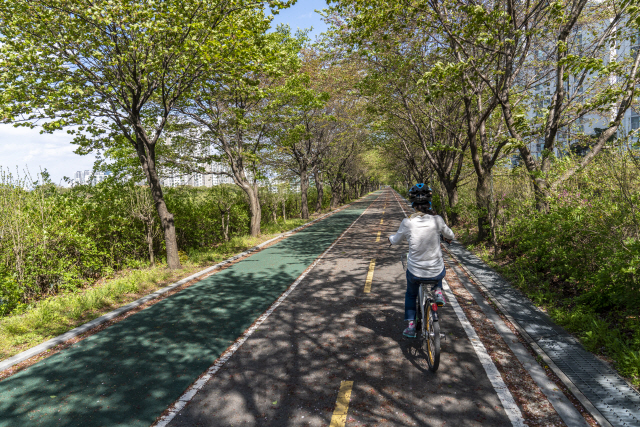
(382,220)
(378,238)
(339,417)
(367,283)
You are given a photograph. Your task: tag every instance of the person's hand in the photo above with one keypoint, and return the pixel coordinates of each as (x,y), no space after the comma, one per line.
(448,240)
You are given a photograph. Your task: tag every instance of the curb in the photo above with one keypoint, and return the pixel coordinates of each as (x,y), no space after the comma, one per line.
(73,333)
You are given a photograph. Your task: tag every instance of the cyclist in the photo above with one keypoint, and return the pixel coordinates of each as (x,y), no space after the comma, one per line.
(422,230)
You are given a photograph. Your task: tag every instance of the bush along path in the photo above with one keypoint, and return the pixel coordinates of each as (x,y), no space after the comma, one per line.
(132,371)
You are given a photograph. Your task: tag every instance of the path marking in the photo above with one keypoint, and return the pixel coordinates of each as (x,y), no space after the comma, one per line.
(378,238)
(367,283)
(382,220)
(403,211)
(339,417)
(209,373)
(508,403)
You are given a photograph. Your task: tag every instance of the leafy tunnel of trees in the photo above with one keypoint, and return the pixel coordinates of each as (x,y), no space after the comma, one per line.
(490,103)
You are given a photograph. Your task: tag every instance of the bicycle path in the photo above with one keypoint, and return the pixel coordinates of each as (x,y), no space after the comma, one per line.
(331,331)
(131,372)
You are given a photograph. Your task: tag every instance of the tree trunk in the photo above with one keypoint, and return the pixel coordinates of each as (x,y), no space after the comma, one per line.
(226,226)
(304,187)
(274,208)
(483,201)
(284,210)
(152,258)
(452,193)
(317,175)
(335,195)
(443,203)
(146,155)
(254,207)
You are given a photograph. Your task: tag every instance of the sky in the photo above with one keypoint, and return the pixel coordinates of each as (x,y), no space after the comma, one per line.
(23,149)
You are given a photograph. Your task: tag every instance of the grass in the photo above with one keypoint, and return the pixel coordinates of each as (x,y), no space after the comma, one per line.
(60,313)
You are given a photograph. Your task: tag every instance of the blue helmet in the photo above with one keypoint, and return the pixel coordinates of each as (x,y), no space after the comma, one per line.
(420,194)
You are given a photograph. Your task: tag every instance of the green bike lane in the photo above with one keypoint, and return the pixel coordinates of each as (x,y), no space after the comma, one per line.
(131,372)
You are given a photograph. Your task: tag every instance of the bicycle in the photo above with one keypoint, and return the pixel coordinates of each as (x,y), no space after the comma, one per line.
(427,322)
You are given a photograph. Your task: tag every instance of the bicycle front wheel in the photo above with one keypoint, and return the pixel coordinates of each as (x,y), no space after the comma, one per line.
(432,338)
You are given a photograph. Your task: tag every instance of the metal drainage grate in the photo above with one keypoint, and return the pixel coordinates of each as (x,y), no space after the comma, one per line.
(609,393)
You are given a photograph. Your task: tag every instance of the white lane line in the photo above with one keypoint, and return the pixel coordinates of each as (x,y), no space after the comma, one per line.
(508,403)
(197,386)
(396,197)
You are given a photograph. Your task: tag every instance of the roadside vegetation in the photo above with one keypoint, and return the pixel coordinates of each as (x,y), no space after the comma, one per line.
(60,240)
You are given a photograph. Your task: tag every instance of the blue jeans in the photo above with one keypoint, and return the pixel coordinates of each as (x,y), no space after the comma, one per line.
(413,287)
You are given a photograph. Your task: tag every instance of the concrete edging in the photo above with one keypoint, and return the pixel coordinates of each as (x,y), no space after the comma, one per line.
(569,414)
(73,333)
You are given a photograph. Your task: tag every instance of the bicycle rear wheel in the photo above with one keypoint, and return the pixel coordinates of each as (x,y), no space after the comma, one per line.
(431,338)
(420,311)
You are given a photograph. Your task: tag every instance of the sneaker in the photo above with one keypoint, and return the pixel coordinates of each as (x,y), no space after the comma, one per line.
(410,331)
(440,298)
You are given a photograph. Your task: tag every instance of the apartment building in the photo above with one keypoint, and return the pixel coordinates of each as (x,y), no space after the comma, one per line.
(214,175)
(86,177)
(579,87)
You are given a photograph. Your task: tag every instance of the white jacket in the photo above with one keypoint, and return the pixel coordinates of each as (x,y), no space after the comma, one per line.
(422,231)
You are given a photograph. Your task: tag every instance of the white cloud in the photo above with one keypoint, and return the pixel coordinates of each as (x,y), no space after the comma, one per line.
(24,148)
